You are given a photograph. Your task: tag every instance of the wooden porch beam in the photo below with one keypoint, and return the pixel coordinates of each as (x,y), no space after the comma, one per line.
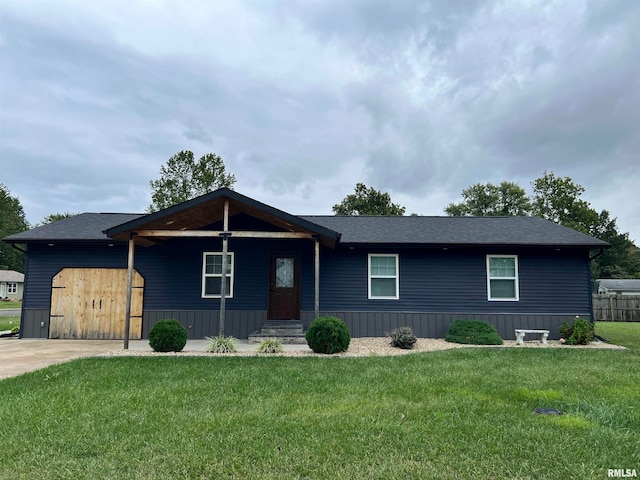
(223,278)
(218,233)
(127,315)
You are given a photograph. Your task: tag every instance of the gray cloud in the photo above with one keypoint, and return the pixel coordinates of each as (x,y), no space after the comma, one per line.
(304,99)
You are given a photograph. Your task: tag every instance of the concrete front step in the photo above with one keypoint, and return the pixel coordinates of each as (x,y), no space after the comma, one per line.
(257,337)
(285,331)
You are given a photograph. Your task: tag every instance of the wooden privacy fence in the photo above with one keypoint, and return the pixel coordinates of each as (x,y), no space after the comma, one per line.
(616,308)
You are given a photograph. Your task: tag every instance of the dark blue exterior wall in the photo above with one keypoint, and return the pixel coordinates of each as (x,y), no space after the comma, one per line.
(435,285)
(444,281)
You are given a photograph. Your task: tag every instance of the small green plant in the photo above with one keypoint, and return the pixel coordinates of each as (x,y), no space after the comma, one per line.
(270,345)
(328,335)
(168,336)
(15,329)
(221,344)
(473,332)
(580,332)
(403,337)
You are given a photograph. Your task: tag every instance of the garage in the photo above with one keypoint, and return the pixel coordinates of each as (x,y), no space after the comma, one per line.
(90,304)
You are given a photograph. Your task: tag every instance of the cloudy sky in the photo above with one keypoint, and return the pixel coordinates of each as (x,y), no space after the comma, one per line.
(303,99)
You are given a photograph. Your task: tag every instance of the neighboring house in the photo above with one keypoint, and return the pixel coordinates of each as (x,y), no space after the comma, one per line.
(376,273)
(619,286)
(11,284)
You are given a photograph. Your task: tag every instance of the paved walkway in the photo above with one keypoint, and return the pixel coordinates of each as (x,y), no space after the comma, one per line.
(18,356)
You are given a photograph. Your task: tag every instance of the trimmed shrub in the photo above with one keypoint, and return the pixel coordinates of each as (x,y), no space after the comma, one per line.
(473,332)
(221,344)
(403,337)
(270,345)
(580,332)
(168,336)
(328,335)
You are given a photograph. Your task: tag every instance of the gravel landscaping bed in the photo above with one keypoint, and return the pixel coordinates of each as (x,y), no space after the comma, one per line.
(377,346)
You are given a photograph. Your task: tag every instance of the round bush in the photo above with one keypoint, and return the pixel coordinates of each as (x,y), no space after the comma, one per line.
(328,335)
(473,332)
(168,336)
(403,337)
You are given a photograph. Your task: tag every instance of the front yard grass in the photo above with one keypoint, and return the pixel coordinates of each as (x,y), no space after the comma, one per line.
(7,323)
(626,334)
(464,413)
(10,305)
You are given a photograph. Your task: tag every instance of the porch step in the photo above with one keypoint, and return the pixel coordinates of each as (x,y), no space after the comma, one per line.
(286,332)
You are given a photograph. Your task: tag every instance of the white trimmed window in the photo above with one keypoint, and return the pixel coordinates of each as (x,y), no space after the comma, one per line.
(502,278)
(212,274)
(12,288)
(383,276)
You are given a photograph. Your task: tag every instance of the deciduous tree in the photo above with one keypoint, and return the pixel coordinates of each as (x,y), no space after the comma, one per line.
(489,200)
(54,217)
(182,178)
(12,220)
(367,201)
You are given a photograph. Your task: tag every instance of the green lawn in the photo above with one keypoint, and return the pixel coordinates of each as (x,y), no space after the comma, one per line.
(7,323)
(9,305)
(464,413)
(620,333)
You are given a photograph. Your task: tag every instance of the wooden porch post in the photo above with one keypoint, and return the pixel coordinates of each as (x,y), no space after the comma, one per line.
(127,315)
(223,278)
(316,309)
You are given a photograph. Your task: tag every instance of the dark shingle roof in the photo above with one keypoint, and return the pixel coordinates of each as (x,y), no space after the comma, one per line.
(85,226)
(414,230)
(455,231)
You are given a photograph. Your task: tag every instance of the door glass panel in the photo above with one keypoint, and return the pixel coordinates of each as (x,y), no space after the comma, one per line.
(284,272)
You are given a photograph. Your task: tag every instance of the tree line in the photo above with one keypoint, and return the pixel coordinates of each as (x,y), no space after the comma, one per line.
(554,198)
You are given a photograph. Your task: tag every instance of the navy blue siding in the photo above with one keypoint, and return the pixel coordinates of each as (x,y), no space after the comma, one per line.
(45,262)
(435,285)
(457,281)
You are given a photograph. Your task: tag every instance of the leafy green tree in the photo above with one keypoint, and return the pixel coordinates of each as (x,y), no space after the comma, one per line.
(489,200)
(367,201)
(54,217)
(182,178)
(558,199)
(12,220)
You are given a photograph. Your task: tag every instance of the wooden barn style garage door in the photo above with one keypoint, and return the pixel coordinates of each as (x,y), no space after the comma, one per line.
(90,303)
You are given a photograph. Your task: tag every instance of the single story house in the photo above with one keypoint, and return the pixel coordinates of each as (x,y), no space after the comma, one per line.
(91,275)
(618,286)
(11,284)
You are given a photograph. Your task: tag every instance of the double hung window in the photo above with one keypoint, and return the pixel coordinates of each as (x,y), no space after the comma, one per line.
(212,275)
(383,276)
(502,277)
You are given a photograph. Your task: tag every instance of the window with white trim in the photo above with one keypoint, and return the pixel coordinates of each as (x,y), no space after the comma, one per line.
(12,288)
(212,275)
(383,276)
(502,278)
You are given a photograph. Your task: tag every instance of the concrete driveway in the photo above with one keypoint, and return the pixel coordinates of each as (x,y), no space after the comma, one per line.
(18,356)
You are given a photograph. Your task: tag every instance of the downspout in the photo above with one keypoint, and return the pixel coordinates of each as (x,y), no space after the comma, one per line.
(18,248)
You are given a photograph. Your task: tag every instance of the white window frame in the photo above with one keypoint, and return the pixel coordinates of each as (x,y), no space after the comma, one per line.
(396,276)
(206,275)
(514,278)
(12,288)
